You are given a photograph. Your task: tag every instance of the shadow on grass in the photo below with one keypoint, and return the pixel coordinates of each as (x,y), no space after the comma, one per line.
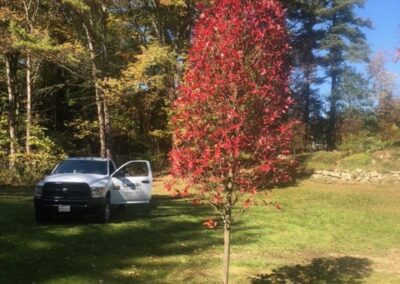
(320,270)
(134,247)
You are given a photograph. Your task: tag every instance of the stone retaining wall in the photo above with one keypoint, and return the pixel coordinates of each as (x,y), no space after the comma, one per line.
(358,175)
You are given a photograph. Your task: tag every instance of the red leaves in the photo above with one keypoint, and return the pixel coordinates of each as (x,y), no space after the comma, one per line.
(277,205)
(265,168)
(210,223)
(230,124)
(168,186)
(217,199)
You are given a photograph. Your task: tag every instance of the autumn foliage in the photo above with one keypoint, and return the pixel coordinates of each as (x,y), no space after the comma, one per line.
(231,131)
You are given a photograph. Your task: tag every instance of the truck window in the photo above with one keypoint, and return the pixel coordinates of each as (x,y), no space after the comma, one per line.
(81,167)
(136,169)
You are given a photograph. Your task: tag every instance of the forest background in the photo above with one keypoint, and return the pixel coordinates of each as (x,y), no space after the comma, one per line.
(98,77)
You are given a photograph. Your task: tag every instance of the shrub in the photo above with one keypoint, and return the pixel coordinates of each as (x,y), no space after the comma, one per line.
(363,142)
(355,161)
(324,159)
(29,168)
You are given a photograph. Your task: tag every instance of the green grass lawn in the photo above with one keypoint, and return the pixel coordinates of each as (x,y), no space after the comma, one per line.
(323,234)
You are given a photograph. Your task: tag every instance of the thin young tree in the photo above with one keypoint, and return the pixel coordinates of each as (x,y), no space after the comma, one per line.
(231,132)
(31,9)
(9,13)
(89,18)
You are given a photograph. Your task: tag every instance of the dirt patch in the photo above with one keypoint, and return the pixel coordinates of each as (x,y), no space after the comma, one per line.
(388,263)
(383,155)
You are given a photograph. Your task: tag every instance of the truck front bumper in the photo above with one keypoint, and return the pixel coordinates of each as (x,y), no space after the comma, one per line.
(83,206)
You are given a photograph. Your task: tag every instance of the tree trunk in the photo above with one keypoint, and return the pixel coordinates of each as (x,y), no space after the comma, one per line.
(98,94)
(107,125)
(335,72)
(30,14)
(28,101)
(307,104)
(101,119)
(332,137)
(11,65)
(227,249)
(106,66)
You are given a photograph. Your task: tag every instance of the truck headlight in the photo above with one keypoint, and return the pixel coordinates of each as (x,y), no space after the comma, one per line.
(38,190)
(98,191)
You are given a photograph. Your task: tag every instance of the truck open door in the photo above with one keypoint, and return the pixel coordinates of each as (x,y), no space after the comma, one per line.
(132,183)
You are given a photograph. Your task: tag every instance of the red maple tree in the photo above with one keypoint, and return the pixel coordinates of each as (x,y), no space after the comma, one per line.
(231,131)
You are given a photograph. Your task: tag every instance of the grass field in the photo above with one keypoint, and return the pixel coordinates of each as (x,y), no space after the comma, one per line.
(323,234)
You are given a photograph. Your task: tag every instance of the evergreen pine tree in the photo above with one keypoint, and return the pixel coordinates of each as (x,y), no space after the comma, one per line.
(344,42)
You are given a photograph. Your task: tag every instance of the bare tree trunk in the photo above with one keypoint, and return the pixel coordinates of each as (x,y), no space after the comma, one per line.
(334,74)
(307,104)
(107,123)
(100,116)
(98,94)
(227,214)
(31,11)
(11,60)
(28,101)
(106,66)
(332,131)
(227,249)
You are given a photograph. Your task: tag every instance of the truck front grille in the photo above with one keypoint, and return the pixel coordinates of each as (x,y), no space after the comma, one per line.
(66,190)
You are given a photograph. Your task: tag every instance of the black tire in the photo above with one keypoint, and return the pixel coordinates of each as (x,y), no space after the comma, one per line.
(104,214)
(42,215)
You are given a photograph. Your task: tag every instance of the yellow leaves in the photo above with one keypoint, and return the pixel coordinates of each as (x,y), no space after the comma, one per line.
(112,89)
(183,3)
(77,4)
(173,2)
(153,70)
(6,15)
(152,66)
(160,134)
(84,128)
(72,52)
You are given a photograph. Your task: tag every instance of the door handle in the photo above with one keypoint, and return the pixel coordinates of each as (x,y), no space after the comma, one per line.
(145,181)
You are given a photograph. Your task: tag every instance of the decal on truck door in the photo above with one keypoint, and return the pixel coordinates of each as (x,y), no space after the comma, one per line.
(132,183)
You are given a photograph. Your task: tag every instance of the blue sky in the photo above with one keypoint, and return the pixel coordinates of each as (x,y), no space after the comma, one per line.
(385,36)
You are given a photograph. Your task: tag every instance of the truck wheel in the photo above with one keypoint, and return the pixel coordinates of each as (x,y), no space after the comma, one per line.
(42,215)
(104,214)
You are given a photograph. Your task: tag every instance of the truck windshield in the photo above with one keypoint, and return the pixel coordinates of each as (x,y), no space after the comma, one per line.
(82,167)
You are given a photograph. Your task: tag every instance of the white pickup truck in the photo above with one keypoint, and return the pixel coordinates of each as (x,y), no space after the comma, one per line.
(92,185)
